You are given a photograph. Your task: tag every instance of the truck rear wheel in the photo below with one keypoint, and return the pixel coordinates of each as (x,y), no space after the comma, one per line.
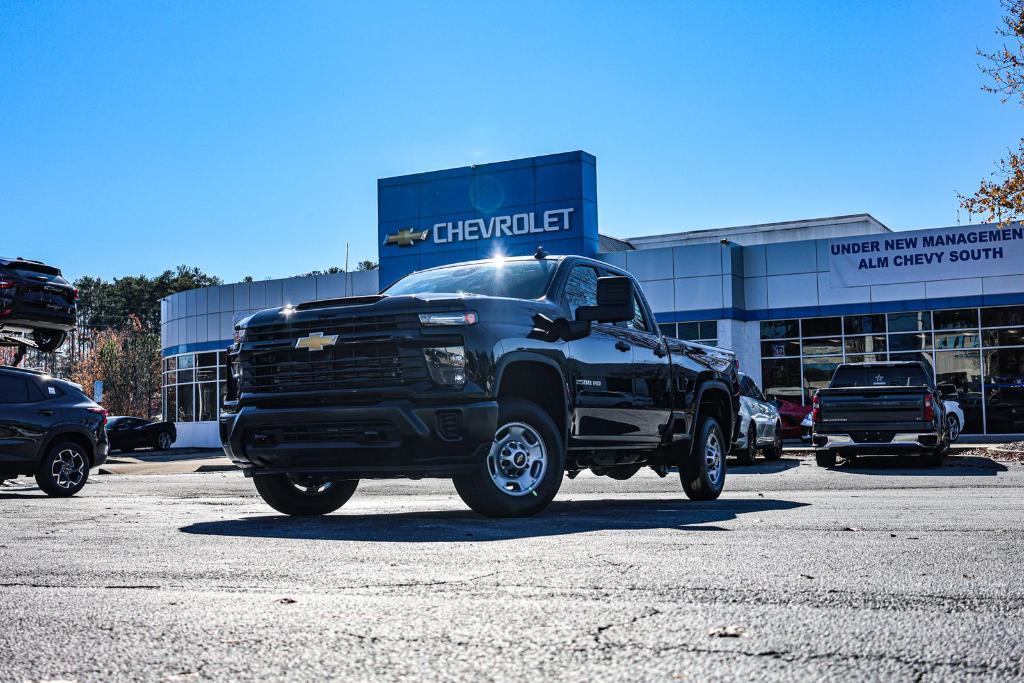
(303,494)
(702,471)
(523,469)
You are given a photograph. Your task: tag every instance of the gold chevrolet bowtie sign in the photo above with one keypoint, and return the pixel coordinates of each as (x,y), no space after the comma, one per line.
(406,237)
(316,341)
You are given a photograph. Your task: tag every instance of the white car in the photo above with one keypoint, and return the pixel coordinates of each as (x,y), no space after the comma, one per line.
(760,425)
(954,419)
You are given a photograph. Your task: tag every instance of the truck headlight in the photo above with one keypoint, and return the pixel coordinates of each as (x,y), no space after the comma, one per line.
(447,365)
(463,318)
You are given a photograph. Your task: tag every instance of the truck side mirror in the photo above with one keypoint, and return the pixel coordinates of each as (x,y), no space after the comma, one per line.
(615,296)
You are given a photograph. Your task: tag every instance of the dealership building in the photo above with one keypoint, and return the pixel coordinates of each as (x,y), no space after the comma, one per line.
(792,299)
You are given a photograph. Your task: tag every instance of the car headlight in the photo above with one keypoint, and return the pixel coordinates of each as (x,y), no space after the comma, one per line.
(447,365)
(461,318)
(239,335)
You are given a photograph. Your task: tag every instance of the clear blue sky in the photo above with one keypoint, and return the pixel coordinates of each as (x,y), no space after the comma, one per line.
(246,138)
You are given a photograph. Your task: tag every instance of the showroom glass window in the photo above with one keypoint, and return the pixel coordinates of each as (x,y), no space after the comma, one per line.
(978,350)
(194,385)
(701,331)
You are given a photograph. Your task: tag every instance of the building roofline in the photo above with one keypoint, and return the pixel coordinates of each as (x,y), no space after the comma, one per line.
(762,227)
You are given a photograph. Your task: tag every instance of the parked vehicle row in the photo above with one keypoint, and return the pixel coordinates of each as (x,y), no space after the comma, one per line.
(503,375)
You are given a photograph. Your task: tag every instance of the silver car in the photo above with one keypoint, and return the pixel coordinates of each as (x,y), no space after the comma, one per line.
(760,425)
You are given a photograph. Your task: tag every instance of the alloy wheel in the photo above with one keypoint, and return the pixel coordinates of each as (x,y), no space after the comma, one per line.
(68,469)
(310,485)
(713,457)
(163,441)
(517,460)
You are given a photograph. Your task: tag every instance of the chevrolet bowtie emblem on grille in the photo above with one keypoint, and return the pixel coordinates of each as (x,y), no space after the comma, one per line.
(406,237)
(316,341)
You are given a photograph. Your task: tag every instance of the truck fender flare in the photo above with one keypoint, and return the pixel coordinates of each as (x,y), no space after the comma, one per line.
(718,386)
(62,432)
(532,357)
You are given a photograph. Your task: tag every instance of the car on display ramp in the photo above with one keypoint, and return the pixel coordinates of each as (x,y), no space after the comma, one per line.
(37,305)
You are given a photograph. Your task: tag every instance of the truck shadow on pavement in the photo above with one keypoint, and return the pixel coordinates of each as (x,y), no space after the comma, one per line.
(909,466)
(561,518)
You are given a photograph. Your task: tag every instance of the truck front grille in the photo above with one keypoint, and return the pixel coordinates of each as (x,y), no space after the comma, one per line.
(357,365)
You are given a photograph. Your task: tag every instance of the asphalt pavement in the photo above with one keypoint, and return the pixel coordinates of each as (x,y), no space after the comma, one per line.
(880,571)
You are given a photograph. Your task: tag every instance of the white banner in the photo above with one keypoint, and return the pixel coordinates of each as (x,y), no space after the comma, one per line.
(914,256)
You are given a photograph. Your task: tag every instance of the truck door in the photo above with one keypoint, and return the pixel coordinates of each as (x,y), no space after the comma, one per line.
(600,372)
(652,377)
(25,421)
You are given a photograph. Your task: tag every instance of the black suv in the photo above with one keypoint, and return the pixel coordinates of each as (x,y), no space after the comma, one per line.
(501,375)
(49,428)
(37,305)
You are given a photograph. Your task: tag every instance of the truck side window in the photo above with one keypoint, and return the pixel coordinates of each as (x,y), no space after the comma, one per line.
(581,289)
(639,322)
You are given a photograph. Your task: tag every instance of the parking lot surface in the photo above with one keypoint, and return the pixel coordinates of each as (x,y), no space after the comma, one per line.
(880,571)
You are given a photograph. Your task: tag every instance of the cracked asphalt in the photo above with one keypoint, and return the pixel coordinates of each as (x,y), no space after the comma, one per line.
(883,571)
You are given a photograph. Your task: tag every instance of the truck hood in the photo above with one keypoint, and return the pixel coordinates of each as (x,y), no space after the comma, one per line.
(377,304)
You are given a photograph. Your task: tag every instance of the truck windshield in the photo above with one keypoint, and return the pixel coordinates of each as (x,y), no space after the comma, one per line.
(512,279)
(879,376)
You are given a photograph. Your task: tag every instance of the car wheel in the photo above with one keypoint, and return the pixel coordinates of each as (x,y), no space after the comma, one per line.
(825,458)
(64,470)
(953,427)
(304,494)
(774,452)
(48,340)
(702,473)
(164,440)
(523,469)
(746,456)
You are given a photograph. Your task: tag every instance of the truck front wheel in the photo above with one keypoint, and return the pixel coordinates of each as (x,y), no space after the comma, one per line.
(303,494)
(523,468)
(703,471)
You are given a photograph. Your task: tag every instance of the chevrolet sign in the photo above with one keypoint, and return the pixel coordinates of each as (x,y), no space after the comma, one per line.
(406,237)
(316,341)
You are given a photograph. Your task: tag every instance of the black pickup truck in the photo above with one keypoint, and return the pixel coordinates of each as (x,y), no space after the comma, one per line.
(501,375)
(879,408)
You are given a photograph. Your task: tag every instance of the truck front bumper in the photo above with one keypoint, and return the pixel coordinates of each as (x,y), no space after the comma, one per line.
(384,440)
(899,442)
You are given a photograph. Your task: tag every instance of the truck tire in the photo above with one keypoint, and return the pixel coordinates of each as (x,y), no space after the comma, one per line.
(825,458)
(702,471)
(774,452)
(746,456)
(523,470)
(300,495)
(64,470)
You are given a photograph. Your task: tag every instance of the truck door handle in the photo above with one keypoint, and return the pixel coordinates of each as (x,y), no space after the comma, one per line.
(622,346)
(47,412)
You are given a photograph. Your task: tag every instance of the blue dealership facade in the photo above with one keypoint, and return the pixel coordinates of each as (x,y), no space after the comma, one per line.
(793,299)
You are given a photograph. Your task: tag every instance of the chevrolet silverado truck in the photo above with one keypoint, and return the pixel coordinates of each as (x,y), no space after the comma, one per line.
(879,408)
(501,374)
